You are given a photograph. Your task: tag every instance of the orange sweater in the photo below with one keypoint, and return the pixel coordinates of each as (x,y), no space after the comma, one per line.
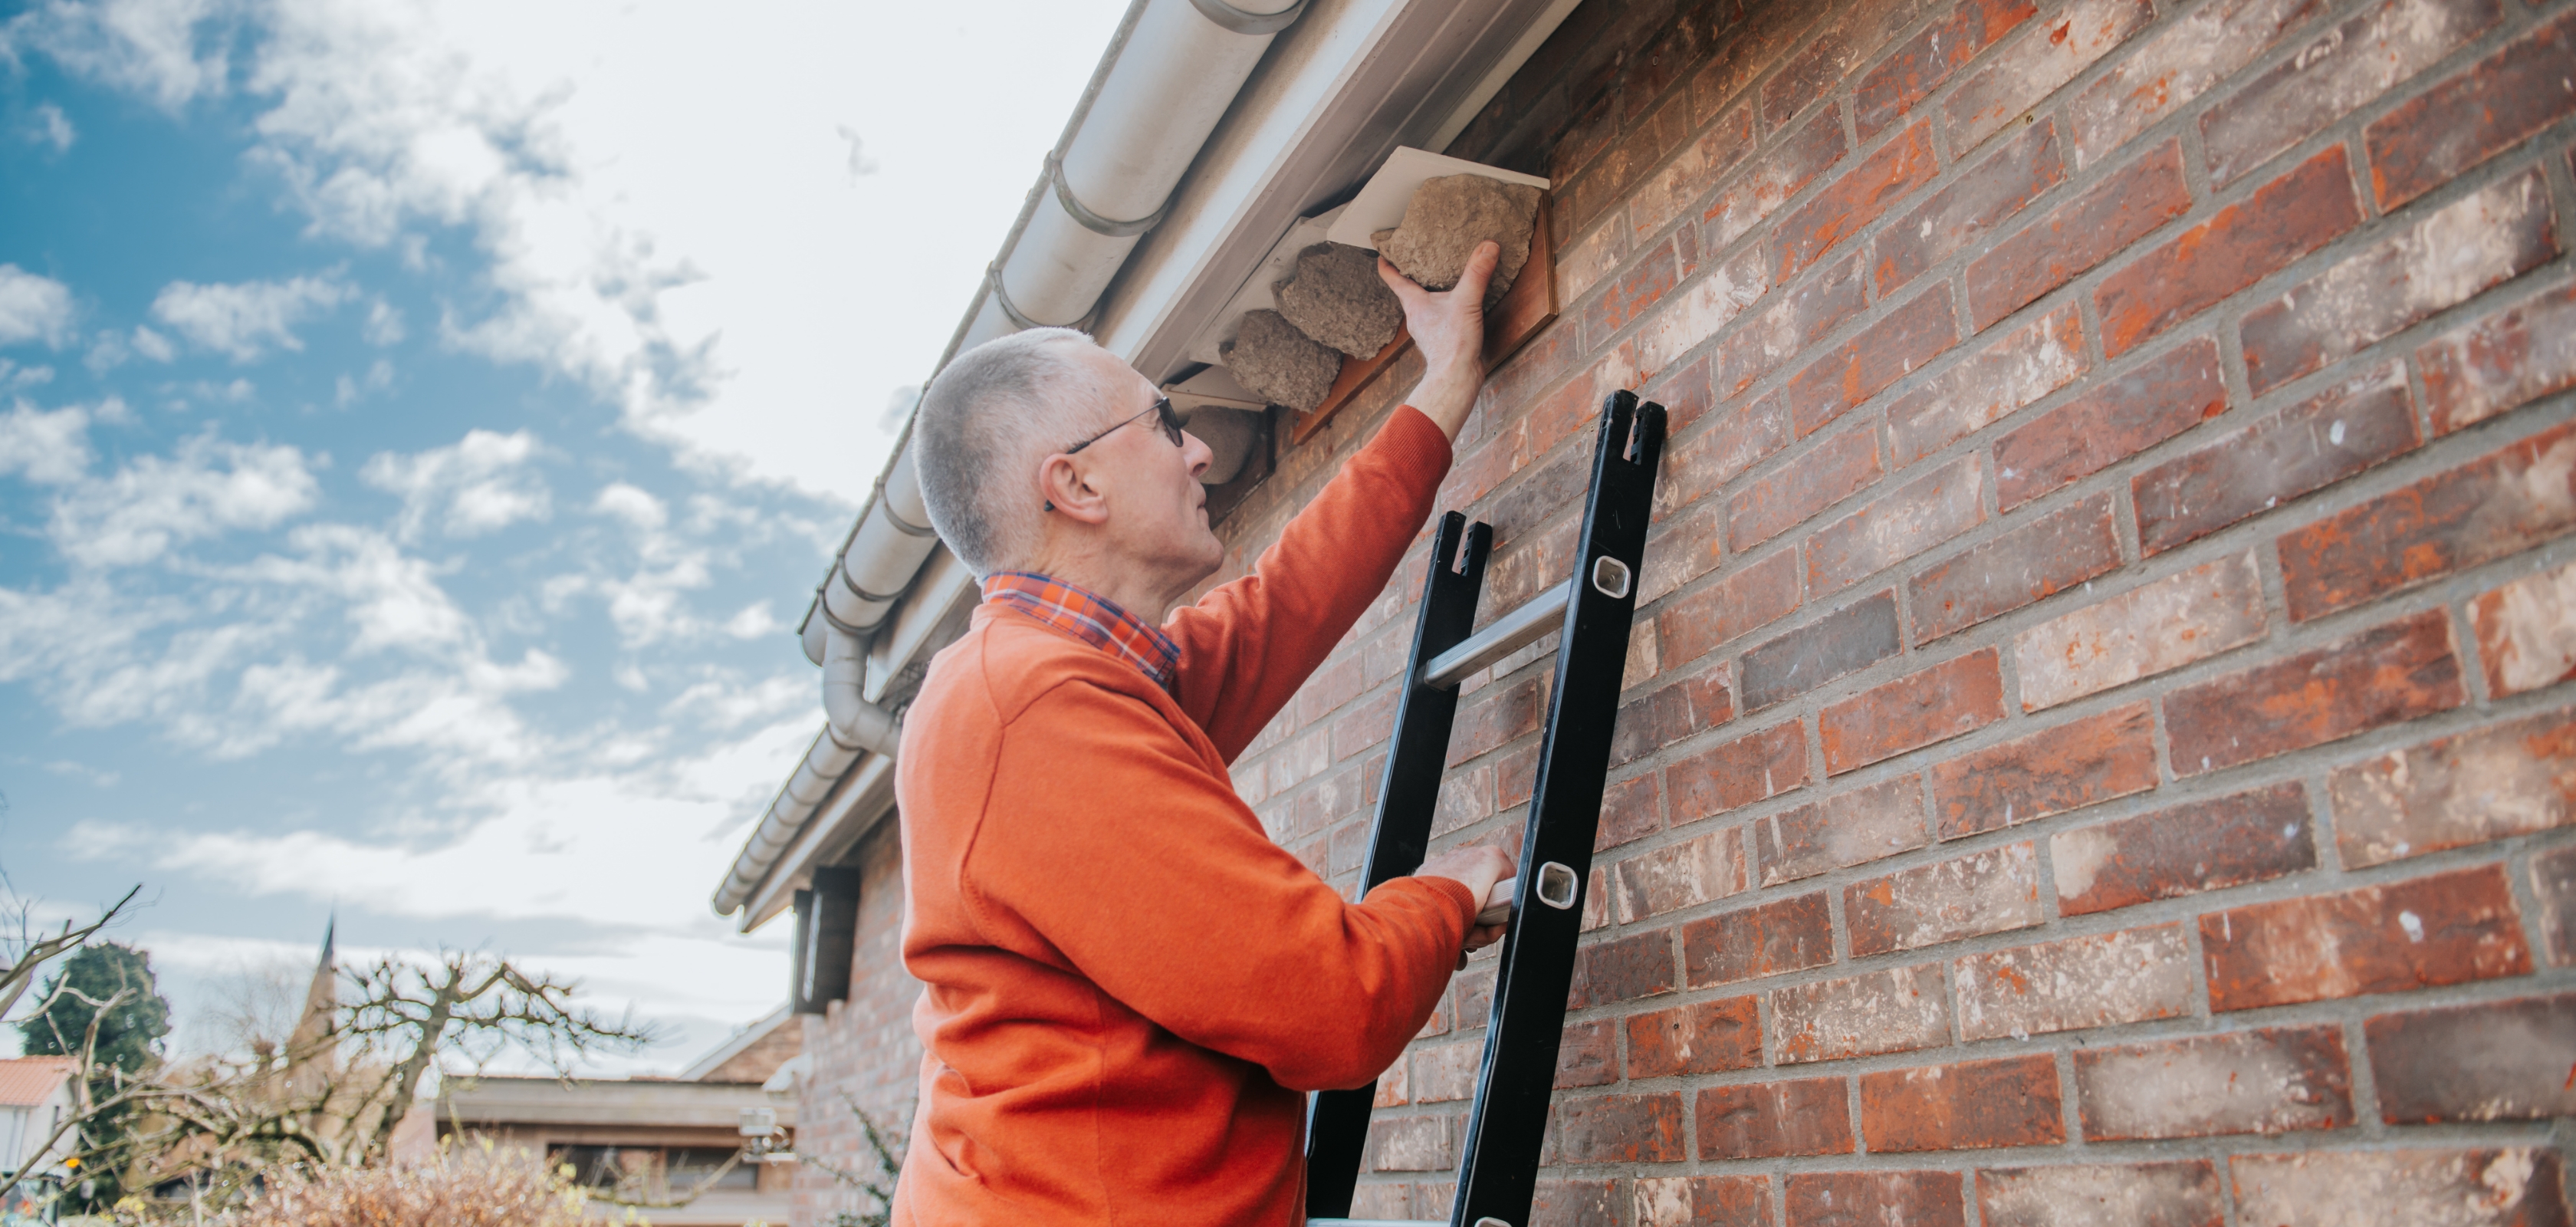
(1127,984)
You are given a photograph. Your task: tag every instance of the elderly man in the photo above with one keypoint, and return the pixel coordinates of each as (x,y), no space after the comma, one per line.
(1128,985)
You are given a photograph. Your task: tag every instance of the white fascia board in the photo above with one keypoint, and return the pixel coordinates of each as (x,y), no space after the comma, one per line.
(865,796)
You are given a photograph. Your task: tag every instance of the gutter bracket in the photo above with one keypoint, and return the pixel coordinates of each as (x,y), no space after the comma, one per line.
(1002,299)
(1094,222)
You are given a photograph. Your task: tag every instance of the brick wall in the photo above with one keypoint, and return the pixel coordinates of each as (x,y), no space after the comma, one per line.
(2093,748)
(865,1054)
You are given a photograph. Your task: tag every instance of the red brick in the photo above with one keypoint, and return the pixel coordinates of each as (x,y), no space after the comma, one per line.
(2039,559)
(1736,773)
(2015,174)
(2501,503)
(1748,50)
(1932,509)
(1797,318)
(2036,62)
(1694,871)
(1581,266)
(1704,1038)
(1784,935)
(1364,726)
(2492,783)
(1837,50)
(1912,72)
(1895,1010)
(2270,1080)
(1623,970)
(2387,674)
(1982,892)
(2506,1060)
(2515,1187)
(1699,464)
(2500,362)
(2445,258)
(1621,1129)
(2553,885)
(1754,597)
(2344,429)
(1607,182)
(1986,387)
(1775,1120)
(2480,111)
(2447,928)
(2185,617)
(2526,631)
(2237,246)
(1672,192)
(1794,492)
(2183,60)
(1629,296)
(1630,810)
(1501,715)
(1553,1203)
(1700,1201)
(1932,705)
(2072,765)
(1895,346)
(1409,1144)
(2208,845)
(1586,1055)
(1447,1072)
(2120,417)
(1682,550)
(1671,713)
(1854,827)
(2334,75)
(2181,1194)
(1870,1199)
(2098,981)
(1700,311)
(1782,172)
(1465,799)
(1849,204)
(1972,1105)
(1839,644)
(2099,223)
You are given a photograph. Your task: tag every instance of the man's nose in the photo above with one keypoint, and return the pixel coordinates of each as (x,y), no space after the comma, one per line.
(1196,454)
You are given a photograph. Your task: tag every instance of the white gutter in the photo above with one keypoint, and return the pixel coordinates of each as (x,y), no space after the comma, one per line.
(1169,74)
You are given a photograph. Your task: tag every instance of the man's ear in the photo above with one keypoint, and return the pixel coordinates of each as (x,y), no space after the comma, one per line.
(1069,493)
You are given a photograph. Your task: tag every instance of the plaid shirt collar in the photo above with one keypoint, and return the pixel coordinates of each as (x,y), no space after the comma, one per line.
(1090,619)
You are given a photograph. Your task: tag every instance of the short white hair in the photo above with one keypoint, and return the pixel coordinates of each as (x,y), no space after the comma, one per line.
(981,428)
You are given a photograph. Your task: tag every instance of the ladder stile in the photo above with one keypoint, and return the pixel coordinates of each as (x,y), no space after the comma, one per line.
(1591,612)
(1498,1165)
(1337,1121)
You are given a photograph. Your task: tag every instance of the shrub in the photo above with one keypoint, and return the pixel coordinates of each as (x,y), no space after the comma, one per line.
(472,1185)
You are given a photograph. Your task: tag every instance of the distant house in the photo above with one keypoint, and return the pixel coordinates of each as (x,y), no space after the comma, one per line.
(35,1098)
(673,1147)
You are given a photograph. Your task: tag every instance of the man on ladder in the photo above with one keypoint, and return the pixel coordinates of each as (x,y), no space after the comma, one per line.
(1128,986)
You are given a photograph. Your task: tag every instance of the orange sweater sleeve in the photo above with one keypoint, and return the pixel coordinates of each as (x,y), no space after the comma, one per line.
(1144,873)
(1247,646)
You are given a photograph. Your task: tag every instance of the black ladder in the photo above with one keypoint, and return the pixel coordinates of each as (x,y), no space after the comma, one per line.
(1498,1168)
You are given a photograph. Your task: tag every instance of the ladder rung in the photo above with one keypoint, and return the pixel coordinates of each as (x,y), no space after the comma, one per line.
(1500,638)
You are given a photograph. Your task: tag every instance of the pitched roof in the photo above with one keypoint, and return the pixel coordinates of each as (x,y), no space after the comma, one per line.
(27,1082)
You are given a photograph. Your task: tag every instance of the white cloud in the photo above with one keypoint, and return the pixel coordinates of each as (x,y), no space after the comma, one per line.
(209,487)
(48,448)
(148,47)
(384,323)
(241,319)
(14,377)
(49,126)
(754,621)
(33,308)
(480,484)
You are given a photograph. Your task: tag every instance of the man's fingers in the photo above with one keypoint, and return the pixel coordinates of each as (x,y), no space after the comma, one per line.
(1479,272)
(1406,291)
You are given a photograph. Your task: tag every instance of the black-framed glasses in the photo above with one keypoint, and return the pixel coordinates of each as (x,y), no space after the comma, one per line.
(1161,408)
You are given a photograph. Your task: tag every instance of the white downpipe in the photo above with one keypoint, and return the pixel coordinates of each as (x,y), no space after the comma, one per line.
(1180,66)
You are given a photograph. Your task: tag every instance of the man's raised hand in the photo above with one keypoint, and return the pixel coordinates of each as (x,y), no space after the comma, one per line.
(1449,328)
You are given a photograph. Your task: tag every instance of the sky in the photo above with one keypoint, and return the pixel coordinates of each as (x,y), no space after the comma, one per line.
(422,426)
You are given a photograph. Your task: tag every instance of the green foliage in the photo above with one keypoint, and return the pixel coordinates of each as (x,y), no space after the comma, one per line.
(878,1184)
(129,1037)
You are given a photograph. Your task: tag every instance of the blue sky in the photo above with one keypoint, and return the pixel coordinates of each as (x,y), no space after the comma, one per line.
(420,428)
